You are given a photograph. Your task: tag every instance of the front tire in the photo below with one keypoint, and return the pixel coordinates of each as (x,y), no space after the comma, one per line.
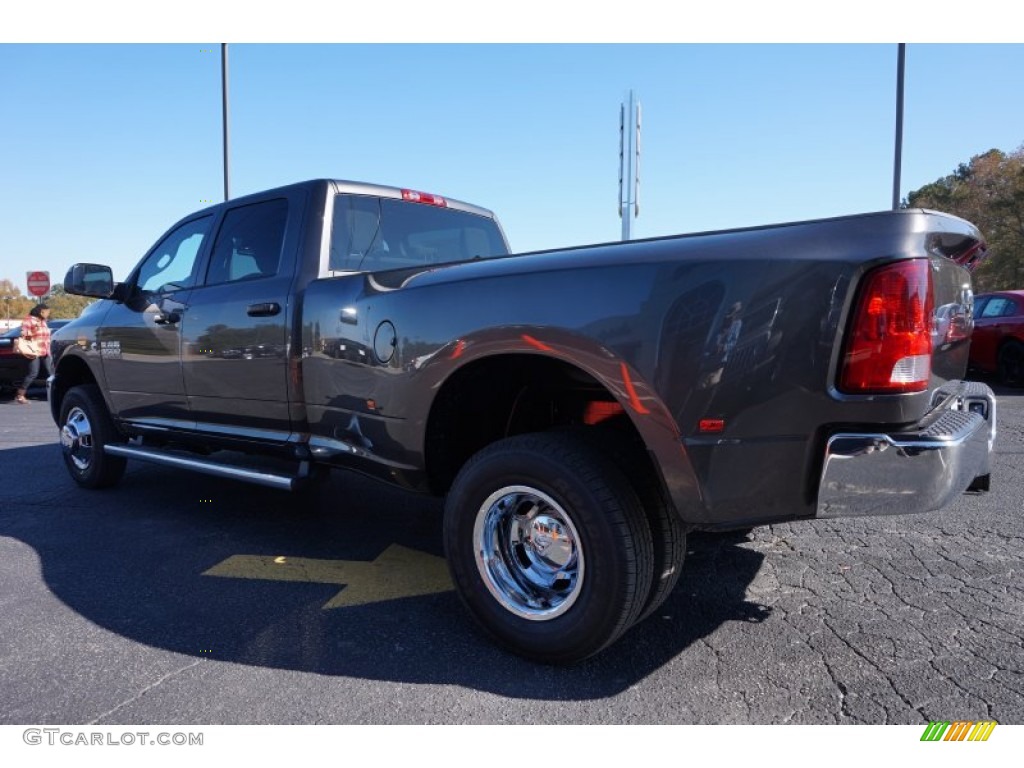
(86,428)
(548,546)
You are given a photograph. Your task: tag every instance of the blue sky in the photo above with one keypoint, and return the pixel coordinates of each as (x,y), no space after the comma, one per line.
(104,146)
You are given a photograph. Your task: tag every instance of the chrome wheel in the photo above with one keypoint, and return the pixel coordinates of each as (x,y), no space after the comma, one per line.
(557,574)
(76,439)
(87,428)
(528,553)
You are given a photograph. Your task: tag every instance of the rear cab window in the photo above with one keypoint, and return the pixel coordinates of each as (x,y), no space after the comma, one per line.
(373,234)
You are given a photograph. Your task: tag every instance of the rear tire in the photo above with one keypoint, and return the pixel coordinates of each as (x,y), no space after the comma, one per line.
(669,548)
(1011,363)
(981,484)
(548,546)
(86,429)
(667,529)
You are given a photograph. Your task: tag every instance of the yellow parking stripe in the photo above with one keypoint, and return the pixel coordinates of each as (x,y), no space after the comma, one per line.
(398,572)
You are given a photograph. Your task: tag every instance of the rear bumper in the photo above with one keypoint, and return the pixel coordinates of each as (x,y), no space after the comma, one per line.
(919,470)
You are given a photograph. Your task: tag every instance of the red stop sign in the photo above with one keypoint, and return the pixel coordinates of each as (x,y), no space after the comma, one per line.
(39,283)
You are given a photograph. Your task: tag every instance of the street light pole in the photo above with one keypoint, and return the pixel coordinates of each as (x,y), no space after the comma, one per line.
(224,99)
(901,61)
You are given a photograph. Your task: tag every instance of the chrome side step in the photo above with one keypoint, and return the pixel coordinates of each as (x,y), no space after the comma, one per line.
(207,467)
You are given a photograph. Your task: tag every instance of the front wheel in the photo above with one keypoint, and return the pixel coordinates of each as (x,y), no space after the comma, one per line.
(548,546)
(86,428)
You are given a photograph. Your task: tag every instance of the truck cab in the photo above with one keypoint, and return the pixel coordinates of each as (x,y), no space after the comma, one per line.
(199,338)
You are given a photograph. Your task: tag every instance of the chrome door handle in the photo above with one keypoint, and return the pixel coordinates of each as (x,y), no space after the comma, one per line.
(266,309)
(168,318)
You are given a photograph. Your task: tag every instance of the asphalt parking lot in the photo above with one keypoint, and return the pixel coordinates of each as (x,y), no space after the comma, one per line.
(184,599)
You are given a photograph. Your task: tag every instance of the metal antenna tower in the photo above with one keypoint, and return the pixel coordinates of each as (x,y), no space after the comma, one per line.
(629,163)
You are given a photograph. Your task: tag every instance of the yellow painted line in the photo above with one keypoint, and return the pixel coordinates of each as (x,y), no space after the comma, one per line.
(397,572)
(982,731)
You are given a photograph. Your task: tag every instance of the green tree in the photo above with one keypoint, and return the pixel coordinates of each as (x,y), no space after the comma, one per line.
(13,305)
(989,192)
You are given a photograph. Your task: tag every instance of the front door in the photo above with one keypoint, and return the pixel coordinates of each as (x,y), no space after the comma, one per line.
(140,339)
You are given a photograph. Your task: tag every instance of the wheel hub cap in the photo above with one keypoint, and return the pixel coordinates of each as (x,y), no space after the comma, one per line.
(76,438)
(528,553)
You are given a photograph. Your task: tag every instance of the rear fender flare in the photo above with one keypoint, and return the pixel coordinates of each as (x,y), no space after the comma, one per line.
(639,400)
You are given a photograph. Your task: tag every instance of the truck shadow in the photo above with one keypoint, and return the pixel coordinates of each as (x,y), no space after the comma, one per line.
(133,559)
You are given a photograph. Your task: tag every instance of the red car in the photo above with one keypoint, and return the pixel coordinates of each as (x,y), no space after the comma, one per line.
(997,344)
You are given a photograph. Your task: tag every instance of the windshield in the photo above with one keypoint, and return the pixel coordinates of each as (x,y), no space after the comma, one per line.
(371,234)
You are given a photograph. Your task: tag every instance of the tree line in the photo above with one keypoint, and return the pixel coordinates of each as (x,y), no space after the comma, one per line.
(14,305)
(988,191)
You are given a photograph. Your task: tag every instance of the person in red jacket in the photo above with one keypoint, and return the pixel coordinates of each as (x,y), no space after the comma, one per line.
(34,328)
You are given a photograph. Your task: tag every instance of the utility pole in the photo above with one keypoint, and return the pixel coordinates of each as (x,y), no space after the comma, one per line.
(224,99)
(629,163)
(900,63)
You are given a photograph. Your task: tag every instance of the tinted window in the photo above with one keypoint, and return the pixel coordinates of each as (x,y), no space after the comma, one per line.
(355,231)
(997,306)
(249,243)
(172,264)
(371,234)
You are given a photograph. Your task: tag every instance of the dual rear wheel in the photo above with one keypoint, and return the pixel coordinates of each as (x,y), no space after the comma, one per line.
(554,549)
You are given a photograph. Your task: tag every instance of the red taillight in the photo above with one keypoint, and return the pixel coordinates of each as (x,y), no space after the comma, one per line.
(413,196)
(889,349)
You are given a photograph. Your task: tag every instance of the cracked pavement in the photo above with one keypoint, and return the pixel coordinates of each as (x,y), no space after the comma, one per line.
(900,619)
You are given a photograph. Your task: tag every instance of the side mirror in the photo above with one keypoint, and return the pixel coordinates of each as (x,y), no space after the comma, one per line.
(93,280)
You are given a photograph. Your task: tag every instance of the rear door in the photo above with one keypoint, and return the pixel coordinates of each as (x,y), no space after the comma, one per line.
(236,332)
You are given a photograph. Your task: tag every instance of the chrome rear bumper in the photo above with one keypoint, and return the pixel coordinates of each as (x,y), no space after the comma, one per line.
(919,470)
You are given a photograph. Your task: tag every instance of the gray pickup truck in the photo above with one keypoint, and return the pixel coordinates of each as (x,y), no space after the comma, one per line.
(580,410)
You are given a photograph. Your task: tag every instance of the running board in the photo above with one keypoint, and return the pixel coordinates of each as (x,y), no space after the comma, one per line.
(255,476)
